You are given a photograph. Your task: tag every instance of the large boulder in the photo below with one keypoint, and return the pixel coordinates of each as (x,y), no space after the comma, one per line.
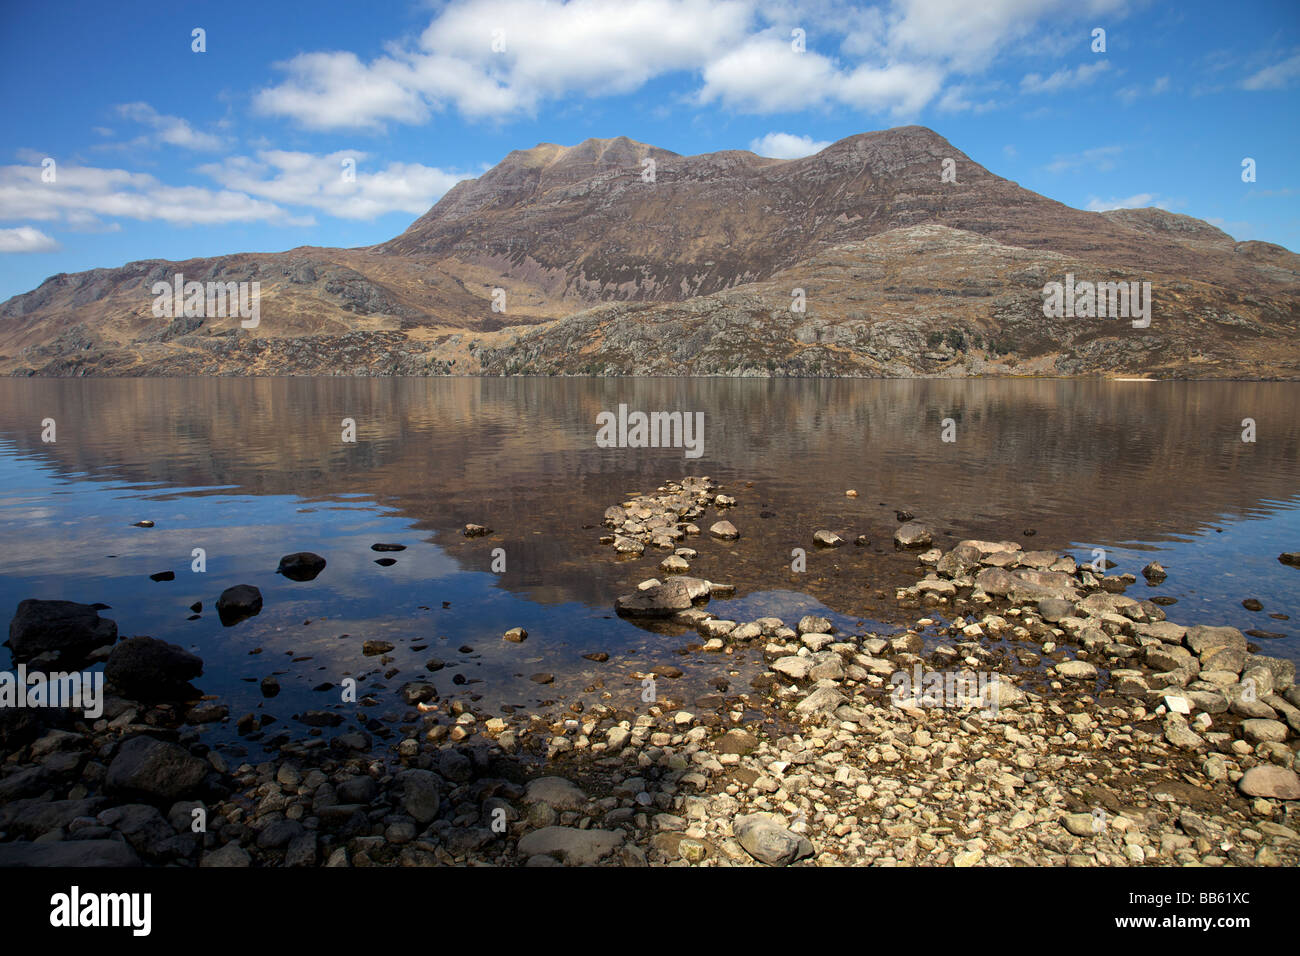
(1024,584)
(155,768)
(144,668)
(1204,641)
(1270,780)
(66,628)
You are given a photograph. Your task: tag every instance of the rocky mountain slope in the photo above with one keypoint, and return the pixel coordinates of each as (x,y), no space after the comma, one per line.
(615,257)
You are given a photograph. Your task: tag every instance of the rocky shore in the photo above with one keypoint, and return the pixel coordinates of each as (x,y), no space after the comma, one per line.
(1033,714)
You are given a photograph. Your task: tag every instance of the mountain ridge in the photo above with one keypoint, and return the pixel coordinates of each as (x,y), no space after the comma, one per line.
(566,233)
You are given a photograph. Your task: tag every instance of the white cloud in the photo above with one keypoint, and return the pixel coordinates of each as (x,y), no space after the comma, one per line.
(763,75)
(26,239)
(1275,77)
(587,45)
(1064,78)
(167,130)
(902,88)
(253,189)
(337,91)
(893,58)
(969,34)
(83,196)
(786,146)
(551,48)
(318,181)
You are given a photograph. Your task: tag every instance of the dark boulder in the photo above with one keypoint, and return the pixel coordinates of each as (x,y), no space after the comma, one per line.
(301,566)
(155,768)
(238,603)
(67,628)
(144,668)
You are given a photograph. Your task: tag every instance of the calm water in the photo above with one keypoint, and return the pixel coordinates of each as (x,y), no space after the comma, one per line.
(250,470)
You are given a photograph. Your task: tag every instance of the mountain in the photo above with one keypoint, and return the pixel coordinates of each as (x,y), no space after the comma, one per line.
(615,257)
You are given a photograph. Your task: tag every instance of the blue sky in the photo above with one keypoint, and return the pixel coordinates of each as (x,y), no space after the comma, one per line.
(163,152)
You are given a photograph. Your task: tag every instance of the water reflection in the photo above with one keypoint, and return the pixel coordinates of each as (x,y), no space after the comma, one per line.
(251,469)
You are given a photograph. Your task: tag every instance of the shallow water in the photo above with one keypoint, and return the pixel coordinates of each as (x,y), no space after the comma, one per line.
(251,469)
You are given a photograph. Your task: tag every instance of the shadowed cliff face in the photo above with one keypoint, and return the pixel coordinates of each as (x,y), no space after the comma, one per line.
(1078,462)
(600,245)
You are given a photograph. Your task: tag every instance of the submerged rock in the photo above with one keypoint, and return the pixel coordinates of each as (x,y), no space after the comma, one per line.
(239,603)
(1154,572)
(913,534)
(663,599)
(724,530)
(301,566)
